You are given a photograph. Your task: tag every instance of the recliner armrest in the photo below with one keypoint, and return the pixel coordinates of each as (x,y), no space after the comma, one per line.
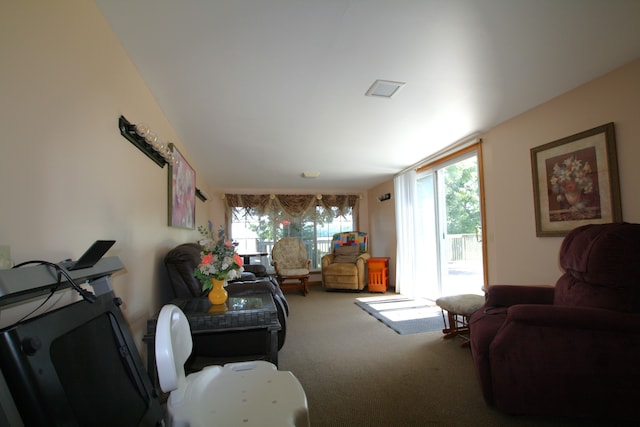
(567,318)
(361,262)
(364,257)
(327,259)
(508,295)
(581,357)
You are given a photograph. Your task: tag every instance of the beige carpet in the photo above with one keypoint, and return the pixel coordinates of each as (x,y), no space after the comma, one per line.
(358,372)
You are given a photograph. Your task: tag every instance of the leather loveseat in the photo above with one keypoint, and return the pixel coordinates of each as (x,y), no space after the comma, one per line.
(572,350)
(180,263)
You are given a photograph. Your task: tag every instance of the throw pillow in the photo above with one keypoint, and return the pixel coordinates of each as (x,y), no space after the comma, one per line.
(346,254)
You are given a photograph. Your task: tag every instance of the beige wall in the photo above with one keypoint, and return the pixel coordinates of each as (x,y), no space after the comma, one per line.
(67,175)
(515,254)
(382,222)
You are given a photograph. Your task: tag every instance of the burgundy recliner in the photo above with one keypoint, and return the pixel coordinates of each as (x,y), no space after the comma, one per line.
(570,350)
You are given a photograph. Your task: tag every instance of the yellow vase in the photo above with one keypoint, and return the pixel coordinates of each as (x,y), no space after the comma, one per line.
(217,294)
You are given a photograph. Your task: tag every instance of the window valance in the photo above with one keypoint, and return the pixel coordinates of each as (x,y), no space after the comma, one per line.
(295,205)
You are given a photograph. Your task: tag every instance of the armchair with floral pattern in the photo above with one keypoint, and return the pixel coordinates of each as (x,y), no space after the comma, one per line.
(291,262)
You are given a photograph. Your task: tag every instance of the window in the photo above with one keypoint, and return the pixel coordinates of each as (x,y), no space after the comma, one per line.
(257,233)
(450,224)
(259,220)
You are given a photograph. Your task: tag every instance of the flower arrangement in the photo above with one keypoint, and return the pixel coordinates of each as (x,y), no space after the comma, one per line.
(571,179)
(218,258)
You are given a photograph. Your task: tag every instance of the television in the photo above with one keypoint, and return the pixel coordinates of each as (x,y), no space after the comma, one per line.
(76,366)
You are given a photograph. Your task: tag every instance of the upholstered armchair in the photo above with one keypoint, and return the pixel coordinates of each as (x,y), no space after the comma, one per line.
(345,266)
(291,262)
(571,350)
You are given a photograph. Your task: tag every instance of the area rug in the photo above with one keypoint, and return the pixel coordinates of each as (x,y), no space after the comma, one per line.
(403,315)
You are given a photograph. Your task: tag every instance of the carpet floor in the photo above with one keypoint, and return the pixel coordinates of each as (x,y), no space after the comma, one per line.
(358,373)
(403,315)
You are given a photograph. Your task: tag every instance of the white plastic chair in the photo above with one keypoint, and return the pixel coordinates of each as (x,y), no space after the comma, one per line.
(236,394)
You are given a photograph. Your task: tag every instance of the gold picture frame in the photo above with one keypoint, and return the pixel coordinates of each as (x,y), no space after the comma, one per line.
(575,181)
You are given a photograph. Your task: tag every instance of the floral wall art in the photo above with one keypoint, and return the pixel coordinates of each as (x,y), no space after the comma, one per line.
(575,181)
(182,192)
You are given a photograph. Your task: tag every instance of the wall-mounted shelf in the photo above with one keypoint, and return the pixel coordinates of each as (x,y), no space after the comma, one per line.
(128,130)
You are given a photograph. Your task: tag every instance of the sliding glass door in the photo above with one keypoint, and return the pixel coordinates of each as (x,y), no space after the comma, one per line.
(449,228)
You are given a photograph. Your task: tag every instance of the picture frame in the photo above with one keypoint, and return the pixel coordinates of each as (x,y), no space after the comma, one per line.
(575,181)
(182,192)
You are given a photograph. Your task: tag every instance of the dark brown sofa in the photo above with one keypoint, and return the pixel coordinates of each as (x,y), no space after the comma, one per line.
(180,263)
(572,350)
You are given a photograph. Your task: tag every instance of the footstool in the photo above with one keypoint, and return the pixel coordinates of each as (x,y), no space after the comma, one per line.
(459,308)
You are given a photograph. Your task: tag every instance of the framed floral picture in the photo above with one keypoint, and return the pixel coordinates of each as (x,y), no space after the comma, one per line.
(182,192)
(575,181)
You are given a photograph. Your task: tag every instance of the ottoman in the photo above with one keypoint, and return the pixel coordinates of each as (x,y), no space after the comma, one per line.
(459,308)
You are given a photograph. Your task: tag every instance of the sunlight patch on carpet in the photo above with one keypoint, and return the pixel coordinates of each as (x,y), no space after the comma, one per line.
(397,305)
(402,314)
(411,314)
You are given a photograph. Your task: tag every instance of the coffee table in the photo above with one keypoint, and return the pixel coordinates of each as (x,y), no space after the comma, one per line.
(257,311)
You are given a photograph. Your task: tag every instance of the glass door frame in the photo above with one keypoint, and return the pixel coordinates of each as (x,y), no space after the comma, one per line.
(438,184)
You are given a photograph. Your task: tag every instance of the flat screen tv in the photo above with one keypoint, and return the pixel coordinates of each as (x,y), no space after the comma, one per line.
(77,366)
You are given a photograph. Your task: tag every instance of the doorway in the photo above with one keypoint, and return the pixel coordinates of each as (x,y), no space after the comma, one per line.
(450,227)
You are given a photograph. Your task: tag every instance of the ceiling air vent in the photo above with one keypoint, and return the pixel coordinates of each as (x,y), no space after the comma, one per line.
(384,88)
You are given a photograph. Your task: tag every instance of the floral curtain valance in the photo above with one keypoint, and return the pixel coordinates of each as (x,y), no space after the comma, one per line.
(295,205)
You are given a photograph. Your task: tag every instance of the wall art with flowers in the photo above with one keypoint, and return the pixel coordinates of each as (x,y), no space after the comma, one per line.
(182,192)
(575,181)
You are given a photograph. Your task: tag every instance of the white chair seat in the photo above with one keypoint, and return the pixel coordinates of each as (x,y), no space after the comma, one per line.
(236,394)
(241,394)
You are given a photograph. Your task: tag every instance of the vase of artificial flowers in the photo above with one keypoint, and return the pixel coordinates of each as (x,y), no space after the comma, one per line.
(570,181)
(219,262)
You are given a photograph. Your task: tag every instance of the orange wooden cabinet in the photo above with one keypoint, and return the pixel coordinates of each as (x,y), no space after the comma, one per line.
(378,274)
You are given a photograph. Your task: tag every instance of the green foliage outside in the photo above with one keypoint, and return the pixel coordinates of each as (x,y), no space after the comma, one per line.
(463,197)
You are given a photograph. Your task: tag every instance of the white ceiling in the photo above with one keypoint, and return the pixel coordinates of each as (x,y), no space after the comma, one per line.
(261,90)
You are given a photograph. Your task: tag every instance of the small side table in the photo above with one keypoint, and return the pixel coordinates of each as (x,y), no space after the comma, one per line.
(378,274)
